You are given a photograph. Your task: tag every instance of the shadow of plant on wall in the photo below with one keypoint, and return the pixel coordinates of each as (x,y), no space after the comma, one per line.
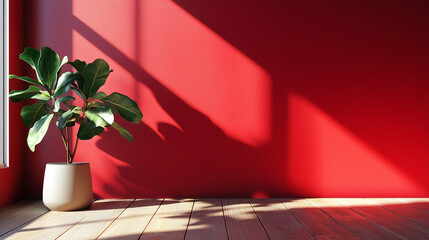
(197,159)
(196,155)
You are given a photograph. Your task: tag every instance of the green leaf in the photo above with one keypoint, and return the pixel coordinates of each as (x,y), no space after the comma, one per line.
(88,130)
(96,105)
(94,76)
(64,82)
(79,81)
(18,96)
(62,120)
(66,78)
(79,93)
(26,79)
(101,116)
(43,96)
(125,106)
(38,131)
(60,100)
(49,64)
(70,123)
(77,110)
(64,61)
(32,113)
(99,96)
(78,65)
(123,132)
(31,56)
(69,106)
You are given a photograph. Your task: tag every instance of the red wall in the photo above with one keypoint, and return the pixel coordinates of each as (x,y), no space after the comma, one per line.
(11,178)
(251,98)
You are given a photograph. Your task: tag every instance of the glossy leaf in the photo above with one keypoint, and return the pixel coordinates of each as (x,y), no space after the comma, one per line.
(123,132)
(96,105)
(64,61)
(71,123)
(18,96)
(123,105)
(43,96)
(62,120)
(88,130)
(79,81)
(101,116)
(26,79)
(65,79)
(99,95)
(60,100)
(79,93)
(77,110)
(32,113)
(31,56)
(69,106)
(94,76)
(38,131)
(49,64)
(78,65)
(64,83)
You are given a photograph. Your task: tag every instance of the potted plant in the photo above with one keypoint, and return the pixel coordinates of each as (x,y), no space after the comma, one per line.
(67,185)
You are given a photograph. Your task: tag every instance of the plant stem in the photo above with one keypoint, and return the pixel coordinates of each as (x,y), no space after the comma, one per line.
(65,140)
(68,144)
(74,151)
(65,144)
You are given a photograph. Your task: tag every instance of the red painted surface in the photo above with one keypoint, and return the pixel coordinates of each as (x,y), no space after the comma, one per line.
(252,98)
(11,178)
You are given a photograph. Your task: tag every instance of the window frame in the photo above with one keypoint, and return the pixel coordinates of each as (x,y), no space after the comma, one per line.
(4,88)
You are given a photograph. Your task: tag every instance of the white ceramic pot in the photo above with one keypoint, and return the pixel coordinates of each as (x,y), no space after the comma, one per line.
(67,186)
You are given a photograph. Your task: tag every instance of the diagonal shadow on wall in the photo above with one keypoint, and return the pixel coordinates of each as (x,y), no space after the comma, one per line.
(344,61)
(199,154)
(199,159)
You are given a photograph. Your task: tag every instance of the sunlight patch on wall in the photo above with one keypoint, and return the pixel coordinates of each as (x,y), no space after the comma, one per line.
(188,58)
(115,22)
(326,159)
(205,71)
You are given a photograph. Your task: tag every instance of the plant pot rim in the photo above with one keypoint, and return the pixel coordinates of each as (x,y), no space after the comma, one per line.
(63,163)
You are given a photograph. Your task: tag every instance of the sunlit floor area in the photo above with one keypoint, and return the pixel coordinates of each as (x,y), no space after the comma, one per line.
(311,218)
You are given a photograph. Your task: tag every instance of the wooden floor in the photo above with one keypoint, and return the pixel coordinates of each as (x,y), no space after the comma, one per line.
(392,218)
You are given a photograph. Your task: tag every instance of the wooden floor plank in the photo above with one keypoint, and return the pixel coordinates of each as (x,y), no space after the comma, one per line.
(358,224)
(412,213)
(48,226)
(15,206)
(207,221)
(101,214)
(131,223)
(388,219)
(222,219)
(321,225)
(16,216)
(278,221)
(241,221)
(422,203)
(170,221)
